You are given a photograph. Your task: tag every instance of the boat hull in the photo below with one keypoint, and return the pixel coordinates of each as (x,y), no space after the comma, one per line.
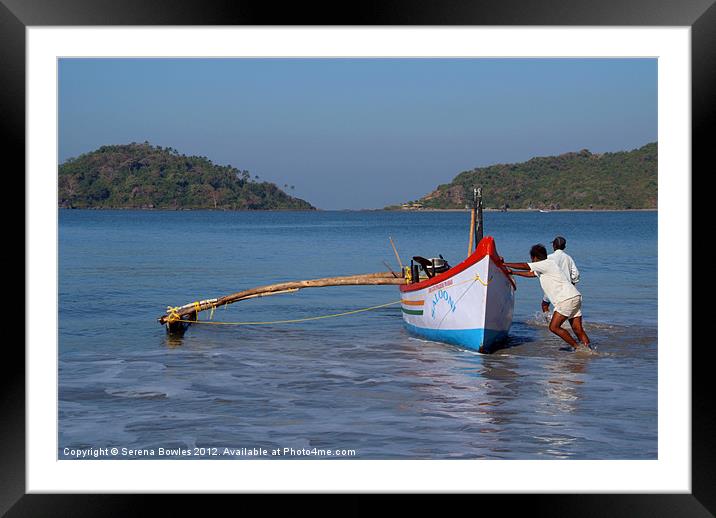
(470,305)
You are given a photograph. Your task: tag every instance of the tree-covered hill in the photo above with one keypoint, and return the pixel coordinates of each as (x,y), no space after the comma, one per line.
(142,176)
(583,180)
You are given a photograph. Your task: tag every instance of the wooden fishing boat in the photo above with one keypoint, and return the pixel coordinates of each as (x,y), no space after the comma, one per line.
(470,305)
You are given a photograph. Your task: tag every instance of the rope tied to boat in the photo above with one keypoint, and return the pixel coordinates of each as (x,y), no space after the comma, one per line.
(271,322)
(408,274)
(478,279)
(173,315)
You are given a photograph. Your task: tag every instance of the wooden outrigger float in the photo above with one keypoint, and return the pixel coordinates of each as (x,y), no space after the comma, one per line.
(469,305)
(179,318)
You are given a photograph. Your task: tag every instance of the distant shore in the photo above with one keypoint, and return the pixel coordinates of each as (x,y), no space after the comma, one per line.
(347,210)
(519,210)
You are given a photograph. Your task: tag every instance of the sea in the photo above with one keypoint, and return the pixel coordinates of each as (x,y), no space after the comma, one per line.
(356,386)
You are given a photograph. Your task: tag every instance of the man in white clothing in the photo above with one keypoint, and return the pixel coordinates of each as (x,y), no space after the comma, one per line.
(565,263)
(561,292)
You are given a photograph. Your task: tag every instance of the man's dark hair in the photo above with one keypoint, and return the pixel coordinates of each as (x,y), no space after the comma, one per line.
(538,252)
(559,243)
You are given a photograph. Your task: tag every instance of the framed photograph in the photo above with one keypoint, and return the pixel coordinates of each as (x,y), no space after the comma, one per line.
(367,120)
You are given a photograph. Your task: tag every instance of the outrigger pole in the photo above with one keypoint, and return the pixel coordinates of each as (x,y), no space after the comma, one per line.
(400,263)
(177,319)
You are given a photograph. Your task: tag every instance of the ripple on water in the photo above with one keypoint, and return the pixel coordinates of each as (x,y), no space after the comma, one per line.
(360,382)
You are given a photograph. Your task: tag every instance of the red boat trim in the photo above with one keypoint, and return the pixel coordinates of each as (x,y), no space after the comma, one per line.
(484,248)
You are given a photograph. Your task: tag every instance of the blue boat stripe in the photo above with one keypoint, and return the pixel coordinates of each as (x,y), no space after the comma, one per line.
(472,339)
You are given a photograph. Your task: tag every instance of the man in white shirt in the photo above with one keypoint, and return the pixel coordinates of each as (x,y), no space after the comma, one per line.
(561,292)
(565,263)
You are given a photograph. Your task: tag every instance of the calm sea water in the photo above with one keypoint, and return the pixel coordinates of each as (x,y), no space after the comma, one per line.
(358,382)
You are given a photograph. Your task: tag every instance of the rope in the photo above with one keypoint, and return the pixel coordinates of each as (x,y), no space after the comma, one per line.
(477,278)
(473,279)
(174,316)
(293,321)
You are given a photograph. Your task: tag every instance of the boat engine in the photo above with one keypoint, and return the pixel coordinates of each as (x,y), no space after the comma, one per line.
(432,266)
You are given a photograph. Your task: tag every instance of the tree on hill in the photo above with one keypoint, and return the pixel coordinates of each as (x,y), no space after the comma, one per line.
(581,180)
(145,176)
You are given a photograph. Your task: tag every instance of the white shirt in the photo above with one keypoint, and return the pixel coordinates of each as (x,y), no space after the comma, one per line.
(556,285)
(566,264)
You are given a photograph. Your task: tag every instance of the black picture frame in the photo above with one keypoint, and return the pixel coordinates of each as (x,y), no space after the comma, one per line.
(700,15)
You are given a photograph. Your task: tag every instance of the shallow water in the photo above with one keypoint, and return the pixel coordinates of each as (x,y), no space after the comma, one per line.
(358,382)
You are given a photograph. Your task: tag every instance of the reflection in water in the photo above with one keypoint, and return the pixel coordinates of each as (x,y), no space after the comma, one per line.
(173,340)
(425,399)
(564,378)
(494,397)
(562,389)
(473,389)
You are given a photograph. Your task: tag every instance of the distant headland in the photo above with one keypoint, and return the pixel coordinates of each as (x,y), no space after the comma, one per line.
(143,176)
(624,180)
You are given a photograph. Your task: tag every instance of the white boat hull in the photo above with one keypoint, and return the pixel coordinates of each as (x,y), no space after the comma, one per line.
(470,305)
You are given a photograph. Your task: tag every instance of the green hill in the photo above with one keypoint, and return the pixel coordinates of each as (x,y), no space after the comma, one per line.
(583,180)
(142,176)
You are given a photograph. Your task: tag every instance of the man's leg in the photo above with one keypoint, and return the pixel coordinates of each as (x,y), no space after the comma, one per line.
(576,324)
(545,306)
(556,327)
(545,310)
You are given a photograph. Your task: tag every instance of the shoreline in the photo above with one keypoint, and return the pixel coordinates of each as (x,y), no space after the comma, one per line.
(522,210)
(348,210)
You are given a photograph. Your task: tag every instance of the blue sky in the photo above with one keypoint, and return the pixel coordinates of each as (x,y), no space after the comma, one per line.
(359,133)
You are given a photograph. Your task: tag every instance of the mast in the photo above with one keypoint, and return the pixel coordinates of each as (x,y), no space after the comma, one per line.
(473,219)
(478,203)
(476,233)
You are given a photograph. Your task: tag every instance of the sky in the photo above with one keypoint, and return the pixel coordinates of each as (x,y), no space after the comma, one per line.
(358,133)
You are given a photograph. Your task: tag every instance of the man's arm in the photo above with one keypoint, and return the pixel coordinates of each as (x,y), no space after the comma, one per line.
(513,267)
(522,274)
(574,273)
(517,266)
